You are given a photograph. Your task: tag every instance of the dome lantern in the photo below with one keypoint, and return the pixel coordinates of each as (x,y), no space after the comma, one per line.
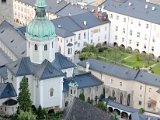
(40,28)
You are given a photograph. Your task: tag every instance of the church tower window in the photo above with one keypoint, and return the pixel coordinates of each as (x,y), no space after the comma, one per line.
(35,47)
(45,47)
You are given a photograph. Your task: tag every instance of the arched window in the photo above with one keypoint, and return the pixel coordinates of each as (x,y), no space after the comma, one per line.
(52,44)
(35,47)
(45,47)
(128,99)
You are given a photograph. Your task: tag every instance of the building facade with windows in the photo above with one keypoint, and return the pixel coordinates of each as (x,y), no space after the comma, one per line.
(6,8)
(134,88)
(134,25)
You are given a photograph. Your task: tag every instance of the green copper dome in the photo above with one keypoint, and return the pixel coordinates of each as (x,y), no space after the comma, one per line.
(40,28)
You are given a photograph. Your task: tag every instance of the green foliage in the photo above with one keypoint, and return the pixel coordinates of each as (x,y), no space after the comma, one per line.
(26,115)
(115,116)
(102,106)
(137,57)
(23,99)
(89,48)
(82,97)
(86,55)
(141,110)
(41,113)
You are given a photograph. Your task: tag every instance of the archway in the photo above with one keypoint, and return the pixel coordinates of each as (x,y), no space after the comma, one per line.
(104,43)
(136,50)
(128,99)
(117,111)
(121,98)
(124,115)
(115,44)
(122,46)
(110,109)
(143,52)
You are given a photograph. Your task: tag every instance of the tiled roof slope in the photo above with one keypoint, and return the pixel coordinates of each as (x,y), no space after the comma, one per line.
(62,62)
(11,37)
(136,9)
(80,110)
(122,72)
(46,70)
(83,80)
(7,90)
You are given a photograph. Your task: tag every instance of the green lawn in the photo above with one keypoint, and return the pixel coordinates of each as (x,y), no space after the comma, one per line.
(114,55)
(133,62)
(156,69)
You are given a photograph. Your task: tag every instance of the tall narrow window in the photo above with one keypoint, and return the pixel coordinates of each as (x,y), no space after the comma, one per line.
(45,47)
(51,92)
(52,44)
(35,47)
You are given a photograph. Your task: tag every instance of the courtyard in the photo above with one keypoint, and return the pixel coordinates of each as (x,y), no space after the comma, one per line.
(121,56)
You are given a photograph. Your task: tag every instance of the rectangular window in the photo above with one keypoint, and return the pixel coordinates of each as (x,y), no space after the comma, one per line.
(130,41)
(140,102)
(141,87)
(111,16)
(120,83)
(139,24)
(152,48)
(116,29)
(117,17)
(138,34)
(122,39)
(124,19)
(115,37)
(84,35)
(51,92)
(144,46)
(124,30)
(137,44)
(147,26)
(149,89)
(111,81)
(130,32)
(79,36)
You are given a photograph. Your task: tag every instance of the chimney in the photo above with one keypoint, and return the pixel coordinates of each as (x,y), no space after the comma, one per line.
(57,2)
(59,26)
(87,66)
(99,9)
(146,6)
(153,8)
(129,3)
(85,23)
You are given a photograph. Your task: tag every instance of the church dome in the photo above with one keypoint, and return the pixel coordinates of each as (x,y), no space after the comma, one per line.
(40,28)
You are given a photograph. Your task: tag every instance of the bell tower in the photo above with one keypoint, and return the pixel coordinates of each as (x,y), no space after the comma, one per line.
(40,34)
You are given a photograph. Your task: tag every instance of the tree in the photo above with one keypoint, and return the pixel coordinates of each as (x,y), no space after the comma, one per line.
(23,99)
(82,97)
(114,116)
(26,115)
(102,106)
(41,113)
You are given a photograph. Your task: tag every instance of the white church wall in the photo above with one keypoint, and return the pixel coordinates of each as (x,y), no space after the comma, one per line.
(46,100)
